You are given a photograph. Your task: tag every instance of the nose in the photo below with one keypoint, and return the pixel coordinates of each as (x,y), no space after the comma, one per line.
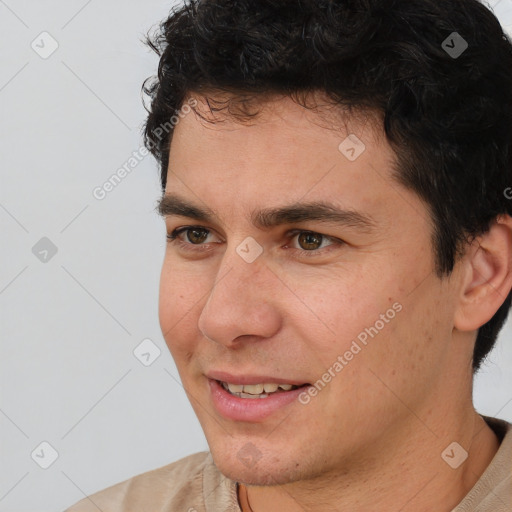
(242,303)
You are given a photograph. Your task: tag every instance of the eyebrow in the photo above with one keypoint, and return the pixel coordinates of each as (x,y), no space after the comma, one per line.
(319,211)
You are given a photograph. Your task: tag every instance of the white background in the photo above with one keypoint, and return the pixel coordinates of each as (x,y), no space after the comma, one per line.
(69,326)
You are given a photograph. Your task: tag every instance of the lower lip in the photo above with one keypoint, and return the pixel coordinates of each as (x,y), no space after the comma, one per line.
(250,409)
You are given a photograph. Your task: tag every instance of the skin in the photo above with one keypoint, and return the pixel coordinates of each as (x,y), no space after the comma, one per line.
(398,404)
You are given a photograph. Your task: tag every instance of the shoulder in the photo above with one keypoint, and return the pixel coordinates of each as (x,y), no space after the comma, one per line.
(493,491)
(177,486)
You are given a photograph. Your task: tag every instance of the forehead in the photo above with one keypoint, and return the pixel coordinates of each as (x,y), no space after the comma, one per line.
(276,128)
(303,116)
(284,152)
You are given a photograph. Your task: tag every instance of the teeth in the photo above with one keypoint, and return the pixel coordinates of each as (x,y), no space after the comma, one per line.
(270,388)
(248,395)
(256,390)
(253,389)
(234,388)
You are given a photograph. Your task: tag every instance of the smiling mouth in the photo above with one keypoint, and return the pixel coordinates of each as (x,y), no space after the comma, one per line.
(257,390)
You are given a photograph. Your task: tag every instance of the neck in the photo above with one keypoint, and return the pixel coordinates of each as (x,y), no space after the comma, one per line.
(408,476)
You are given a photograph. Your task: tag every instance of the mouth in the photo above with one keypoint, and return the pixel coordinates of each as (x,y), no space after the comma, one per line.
(255,391)
(246,400)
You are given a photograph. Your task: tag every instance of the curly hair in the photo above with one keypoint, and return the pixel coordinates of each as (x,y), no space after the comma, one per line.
(447,116)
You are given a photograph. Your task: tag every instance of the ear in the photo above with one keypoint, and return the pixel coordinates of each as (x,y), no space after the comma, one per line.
(487,276)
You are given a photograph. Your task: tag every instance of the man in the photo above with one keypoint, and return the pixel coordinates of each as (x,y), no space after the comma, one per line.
(335,179)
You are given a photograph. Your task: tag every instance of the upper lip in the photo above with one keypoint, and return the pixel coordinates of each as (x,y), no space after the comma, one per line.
(251,379)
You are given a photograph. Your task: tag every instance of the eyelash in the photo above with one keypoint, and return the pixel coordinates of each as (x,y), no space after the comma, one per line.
(173,238)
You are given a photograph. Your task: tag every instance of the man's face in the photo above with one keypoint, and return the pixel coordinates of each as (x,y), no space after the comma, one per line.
(282,303)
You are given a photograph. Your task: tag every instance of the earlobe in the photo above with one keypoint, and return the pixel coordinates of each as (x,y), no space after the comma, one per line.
(487,276)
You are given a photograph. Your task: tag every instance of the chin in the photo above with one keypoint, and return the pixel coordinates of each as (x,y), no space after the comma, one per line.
(266,471)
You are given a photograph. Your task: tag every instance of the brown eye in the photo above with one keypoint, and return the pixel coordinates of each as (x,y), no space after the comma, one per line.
(310,241)
(196,235)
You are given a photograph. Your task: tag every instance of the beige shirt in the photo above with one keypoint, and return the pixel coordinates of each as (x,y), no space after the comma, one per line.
(194,484)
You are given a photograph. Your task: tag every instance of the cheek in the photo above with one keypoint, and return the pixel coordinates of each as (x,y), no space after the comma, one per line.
(179,302)
(344,307)
(406,355)
(363,320)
